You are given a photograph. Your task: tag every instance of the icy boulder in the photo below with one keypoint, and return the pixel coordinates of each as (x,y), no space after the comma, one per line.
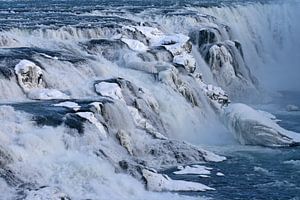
(166,153)
(161,182)
(292,108)
(30,79)
(29,75)
(252,127)
(108,89)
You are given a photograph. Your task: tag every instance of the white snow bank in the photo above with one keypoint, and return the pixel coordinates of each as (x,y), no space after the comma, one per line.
(46,94)
(69,104)
(161,182)
(255,128)
(194,169)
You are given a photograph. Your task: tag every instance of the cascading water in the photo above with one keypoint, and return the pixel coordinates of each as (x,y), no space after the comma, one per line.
(269,35)
(98,99)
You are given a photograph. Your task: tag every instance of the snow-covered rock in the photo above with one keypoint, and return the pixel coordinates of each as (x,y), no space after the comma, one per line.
(30,79)
(251,127)
(110,90)
(161,182)
(93,120)
(177,44)
(186,60)
(29,75)
(125,141)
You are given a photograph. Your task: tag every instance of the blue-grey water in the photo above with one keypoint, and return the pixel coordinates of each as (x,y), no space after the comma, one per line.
(56,13)
(256,172)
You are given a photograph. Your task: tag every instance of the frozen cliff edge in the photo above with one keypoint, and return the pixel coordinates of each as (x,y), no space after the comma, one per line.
(252,127)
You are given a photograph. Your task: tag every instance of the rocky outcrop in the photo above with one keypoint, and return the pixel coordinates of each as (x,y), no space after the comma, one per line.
(251,127)
(225,58)
(30,79)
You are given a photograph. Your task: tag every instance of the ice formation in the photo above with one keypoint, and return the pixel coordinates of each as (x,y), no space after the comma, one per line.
(160,182)
(194,169)
(255,128)
(30,78)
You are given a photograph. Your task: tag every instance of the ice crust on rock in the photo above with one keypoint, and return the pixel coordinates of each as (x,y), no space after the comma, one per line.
(29,75)
(30,79)
(252,127)
(177,44)
(193,169)
(226,60)
(292,108)
(110,90)
(125,141)
(92,119)
(161,182)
